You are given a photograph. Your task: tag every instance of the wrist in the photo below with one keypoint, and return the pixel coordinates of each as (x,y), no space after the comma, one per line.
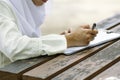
(69,40)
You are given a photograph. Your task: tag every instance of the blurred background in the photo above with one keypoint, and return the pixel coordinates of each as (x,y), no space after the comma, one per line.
(66,14)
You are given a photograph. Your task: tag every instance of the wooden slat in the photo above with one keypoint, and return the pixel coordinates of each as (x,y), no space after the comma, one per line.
(113,71)
(16,69)
(59,64)
(92,64)
(109,22)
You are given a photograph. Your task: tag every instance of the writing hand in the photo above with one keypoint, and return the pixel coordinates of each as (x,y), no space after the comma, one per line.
(81,36)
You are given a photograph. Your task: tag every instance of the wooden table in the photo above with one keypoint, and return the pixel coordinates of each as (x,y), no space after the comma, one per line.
(96,63)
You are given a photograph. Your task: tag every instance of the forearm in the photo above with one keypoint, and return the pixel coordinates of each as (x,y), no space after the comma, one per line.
(46,45)
(16,46)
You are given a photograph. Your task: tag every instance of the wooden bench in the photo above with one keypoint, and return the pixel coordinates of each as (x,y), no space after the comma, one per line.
(15,70)
(90,64)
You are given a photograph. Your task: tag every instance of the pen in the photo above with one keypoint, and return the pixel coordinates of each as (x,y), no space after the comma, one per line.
(94,25)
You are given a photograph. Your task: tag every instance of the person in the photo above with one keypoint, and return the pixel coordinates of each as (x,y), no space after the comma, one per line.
(20,37)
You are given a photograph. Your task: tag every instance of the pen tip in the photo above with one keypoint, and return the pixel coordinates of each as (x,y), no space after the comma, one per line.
(94,24)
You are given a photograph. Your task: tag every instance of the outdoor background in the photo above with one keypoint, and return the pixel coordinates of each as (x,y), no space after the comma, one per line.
(73,13)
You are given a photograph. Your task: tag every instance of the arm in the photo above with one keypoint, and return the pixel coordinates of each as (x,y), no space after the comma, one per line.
(15,46)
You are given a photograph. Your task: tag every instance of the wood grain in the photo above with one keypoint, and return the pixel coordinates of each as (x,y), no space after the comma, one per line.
(15,70)
(113,71)
(91,64)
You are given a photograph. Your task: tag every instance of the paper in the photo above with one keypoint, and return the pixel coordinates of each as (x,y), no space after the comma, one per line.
(102,37)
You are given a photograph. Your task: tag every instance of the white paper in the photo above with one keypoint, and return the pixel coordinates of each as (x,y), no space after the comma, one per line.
(103,36)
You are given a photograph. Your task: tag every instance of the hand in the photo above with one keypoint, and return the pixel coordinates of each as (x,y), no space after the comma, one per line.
(81,36)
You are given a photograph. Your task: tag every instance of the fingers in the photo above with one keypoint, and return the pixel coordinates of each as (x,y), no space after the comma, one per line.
(85,26)
(90,37)
(92,32)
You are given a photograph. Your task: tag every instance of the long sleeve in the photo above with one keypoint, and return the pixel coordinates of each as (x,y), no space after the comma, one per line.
(15,46)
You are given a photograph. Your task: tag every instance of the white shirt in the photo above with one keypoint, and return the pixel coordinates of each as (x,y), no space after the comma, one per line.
(16,46)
